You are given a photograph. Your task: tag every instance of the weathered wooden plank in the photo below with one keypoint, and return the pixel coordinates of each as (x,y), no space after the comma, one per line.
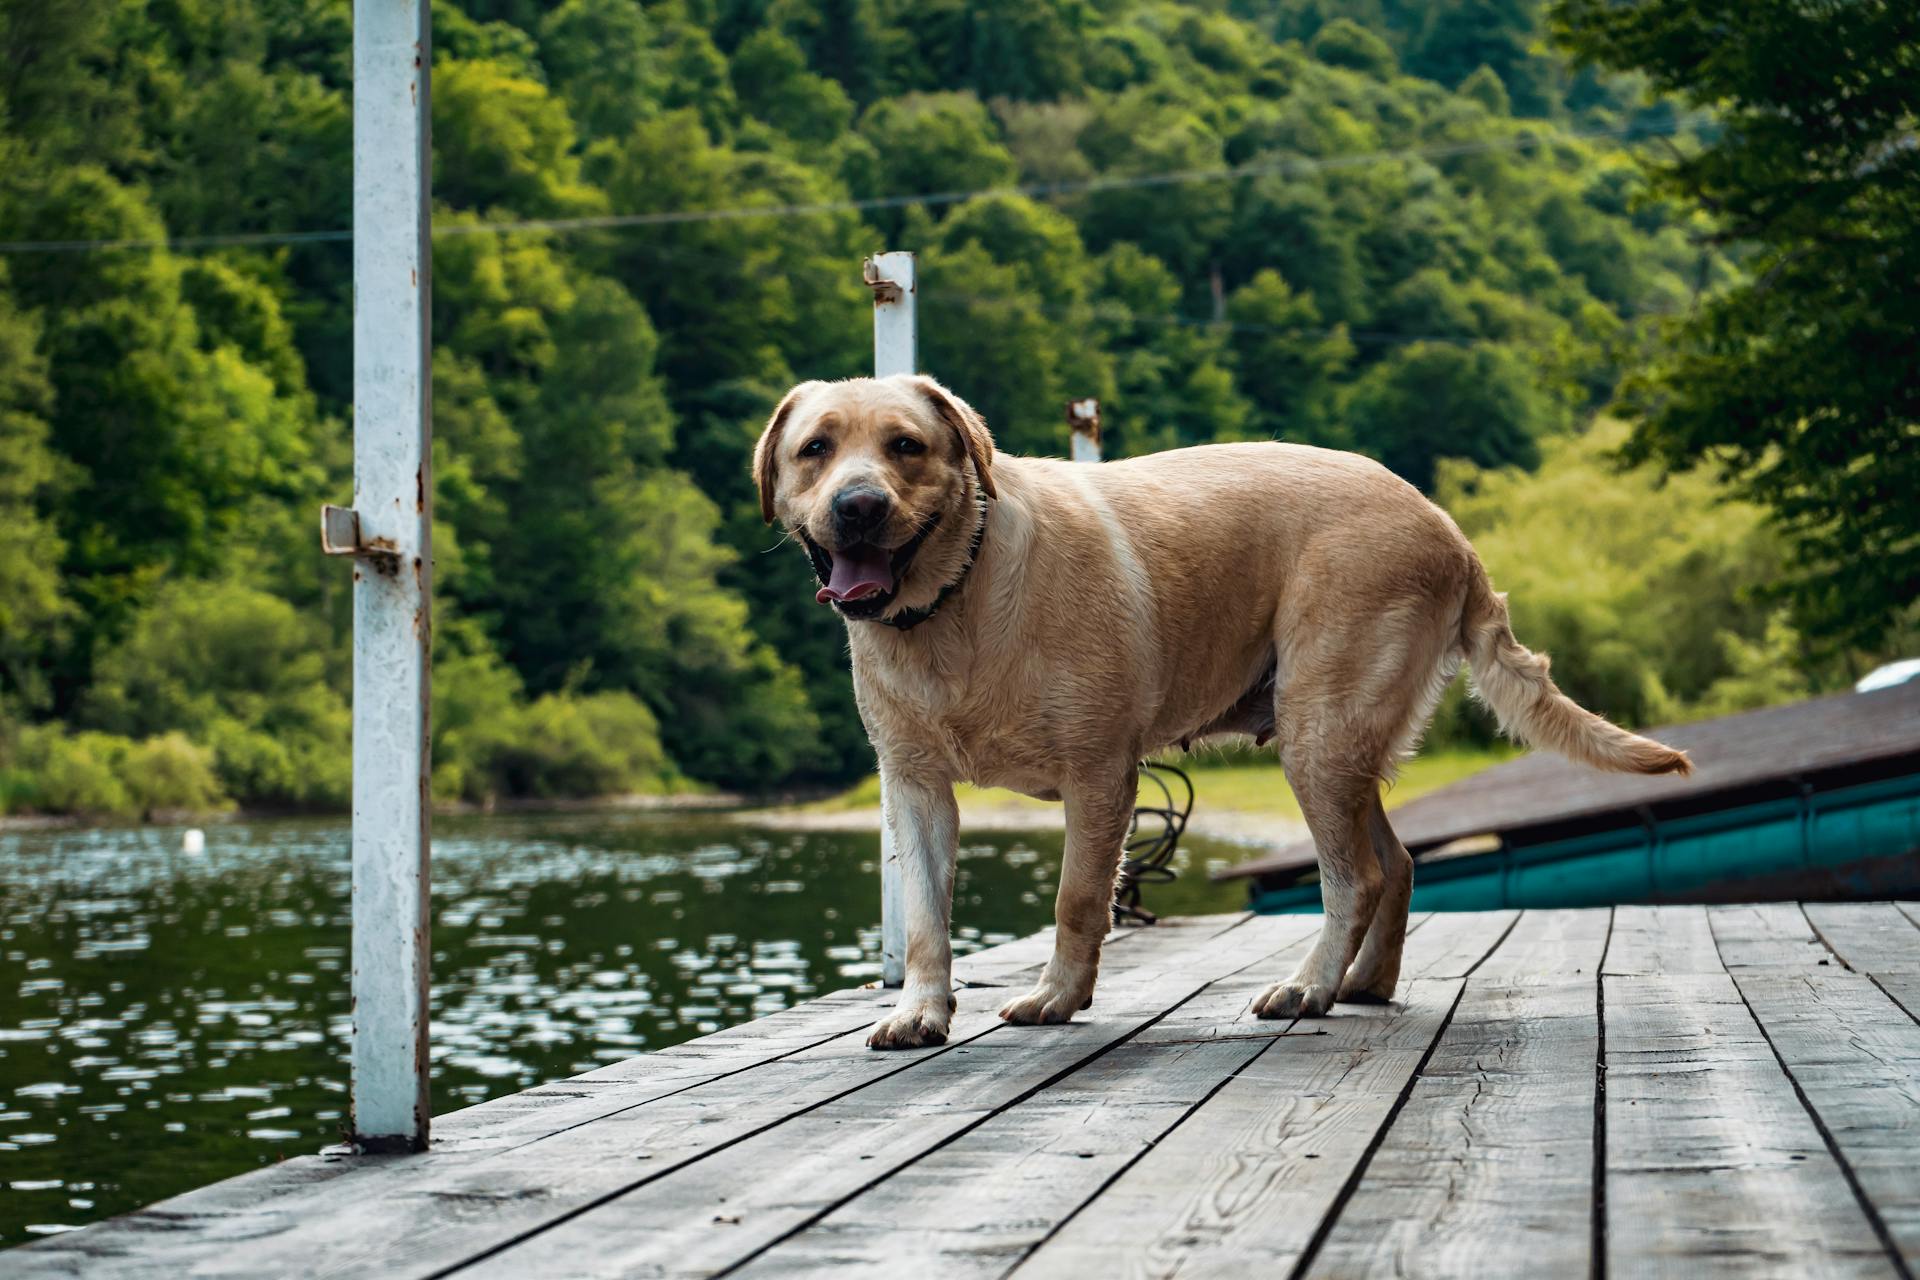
(1240,1186)
(1767,935)
(438,1210)
(719,1211)
(1903,989)
(547,1109)
(312,1202)
(1856,1059)
(1368,1055)
(995,965)
(1551,946)
(1491,1159)
(1655,941)
(973,1208)
(1871,937)
(1452,942)
(1848,1045)
(1713,1166)
(536,1113)
(1439,944)
(1224,1011)
(268,1197)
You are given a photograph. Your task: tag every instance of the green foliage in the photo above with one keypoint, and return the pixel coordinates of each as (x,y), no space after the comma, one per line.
(239,670)
(46,770)
(1433,400)
(33,605)
(1644,590)
(489,744)
(1345,43)
(1797,383)
(1366,225)
(602,744)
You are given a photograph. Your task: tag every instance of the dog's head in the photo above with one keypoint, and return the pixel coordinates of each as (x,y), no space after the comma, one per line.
(879,478)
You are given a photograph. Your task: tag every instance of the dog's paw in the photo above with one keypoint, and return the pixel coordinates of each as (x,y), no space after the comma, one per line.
(916,1024)
(1046,1003)
(1288,1000)
(1376,991)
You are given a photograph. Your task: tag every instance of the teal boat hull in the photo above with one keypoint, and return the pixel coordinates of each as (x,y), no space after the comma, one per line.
(1859,841)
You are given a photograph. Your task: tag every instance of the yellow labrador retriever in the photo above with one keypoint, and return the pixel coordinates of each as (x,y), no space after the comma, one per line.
(1040,625)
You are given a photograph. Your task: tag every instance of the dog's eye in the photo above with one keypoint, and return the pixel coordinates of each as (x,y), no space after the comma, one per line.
(907,447)
(814,449)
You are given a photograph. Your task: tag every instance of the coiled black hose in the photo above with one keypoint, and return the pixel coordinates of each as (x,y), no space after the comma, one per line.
(1152,840)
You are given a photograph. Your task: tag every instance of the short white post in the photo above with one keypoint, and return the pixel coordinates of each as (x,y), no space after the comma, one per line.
(1083,421)
(391,538)
(895,350)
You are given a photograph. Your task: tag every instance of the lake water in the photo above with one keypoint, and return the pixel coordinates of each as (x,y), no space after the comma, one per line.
(168,1019)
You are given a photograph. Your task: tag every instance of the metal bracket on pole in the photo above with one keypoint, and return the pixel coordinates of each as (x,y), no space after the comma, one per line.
(1083,420)
(389,531)
(340,536)
(895,350)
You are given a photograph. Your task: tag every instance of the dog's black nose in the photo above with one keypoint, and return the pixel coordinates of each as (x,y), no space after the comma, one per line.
(860,509)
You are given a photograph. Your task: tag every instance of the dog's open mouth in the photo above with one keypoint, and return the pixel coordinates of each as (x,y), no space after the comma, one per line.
(861,579)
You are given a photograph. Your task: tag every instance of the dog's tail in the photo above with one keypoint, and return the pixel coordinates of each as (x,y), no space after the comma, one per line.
(1513,680)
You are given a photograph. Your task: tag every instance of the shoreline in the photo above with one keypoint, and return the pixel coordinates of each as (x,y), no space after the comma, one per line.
(1234,826)
(639,802)
(1249,828)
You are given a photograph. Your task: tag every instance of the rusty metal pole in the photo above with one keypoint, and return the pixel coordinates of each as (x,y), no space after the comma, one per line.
(389,532)
(1083,421)
(895,350)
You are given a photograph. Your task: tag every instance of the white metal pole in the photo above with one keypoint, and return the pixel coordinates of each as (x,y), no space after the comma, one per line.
(392,622)
(1083,421)
(895,343)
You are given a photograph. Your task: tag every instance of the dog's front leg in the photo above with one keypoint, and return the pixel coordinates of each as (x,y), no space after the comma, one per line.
(1097,818)
(925,822)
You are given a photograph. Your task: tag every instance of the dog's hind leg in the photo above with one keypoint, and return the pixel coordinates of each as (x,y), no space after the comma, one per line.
(1334,795)
(1342,712)
(1376,970)
(1097,820)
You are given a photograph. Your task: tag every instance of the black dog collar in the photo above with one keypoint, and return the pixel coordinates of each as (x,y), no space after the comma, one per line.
(906,619)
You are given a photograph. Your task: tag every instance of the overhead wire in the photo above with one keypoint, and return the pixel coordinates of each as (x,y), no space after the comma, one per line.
(1298,165)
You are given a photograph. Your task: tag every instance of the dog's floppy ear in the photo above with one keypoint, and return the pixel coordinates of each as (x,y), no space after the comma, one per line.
(763,453)
(967,424)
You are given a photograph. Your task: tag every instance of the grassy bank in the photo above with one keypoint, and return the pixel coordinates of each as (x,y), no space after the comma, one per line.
(1237,782)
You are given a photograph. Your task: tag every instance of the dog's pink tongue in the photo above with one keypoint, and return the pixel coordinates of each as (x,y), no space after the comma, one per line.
(865,572)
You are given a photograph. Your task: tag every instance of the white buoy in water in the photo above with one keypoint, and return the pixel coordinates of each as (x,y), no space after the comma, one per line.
(193,840)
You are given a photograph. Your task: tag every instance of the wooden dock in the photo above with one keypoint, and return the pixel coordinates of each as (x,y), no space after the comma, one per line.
(1674,1090)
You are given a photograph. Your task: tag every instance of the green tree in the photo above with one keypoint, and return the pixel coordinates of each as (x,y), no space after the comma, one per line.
(500,139)
(1345,43)
(603,57)
(936,142)
(238,670)
(1433,400)
(33,607)
(1797,382)
(172,435)
(1645,590)
(770,77)
(1289,361)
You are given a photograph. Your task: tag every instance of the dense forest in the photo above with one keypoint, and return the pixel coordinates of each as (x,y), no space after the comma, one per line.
(1409,230)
